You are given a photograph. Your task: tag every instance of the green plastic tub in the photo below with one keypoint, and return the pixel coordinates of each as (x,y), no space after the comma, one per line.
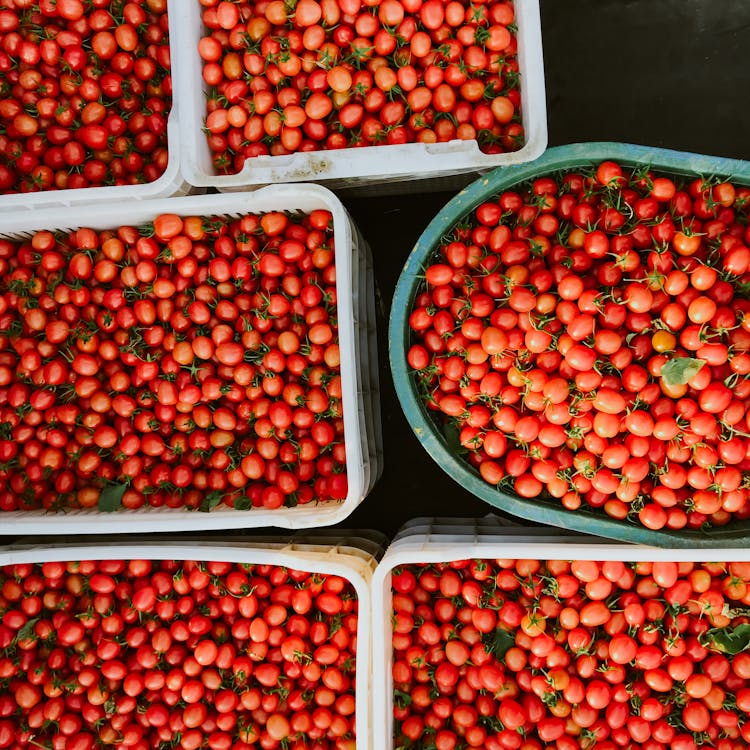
(542,509)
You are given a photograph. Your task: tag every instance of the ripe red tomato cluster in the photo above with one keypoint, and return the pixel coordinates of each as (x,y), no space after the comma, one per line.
(587,336)
(193,360)
(334,74)
(142,654)
(561,655)
(85,93)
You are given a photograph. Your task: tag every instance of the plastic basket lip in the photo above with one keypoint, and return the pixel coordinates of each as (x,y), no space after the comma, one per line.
(274,197)
(498,546)
(345,559)
(574,156)
(170,183)
(526,544)
(357,166)
(286,553)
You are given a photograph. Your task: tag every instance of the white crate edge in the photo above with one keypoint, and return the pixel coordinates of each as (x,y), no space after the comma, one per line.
(361,286)
(373,359)
(169,184)
(368,358)
(351,563)
(275,197)
(362,375)
(356,166)
(435,548)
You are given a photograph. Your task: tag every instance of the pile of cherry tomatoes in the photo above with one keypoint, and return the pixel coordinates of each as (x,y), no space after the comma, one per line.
(561,655)
(144,654)
(185,363)
(85,93)
(333,74)
(586,336)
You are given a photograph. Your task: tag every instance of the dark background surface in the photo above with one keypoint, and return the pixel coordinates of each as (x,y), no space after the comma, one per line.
(669,73)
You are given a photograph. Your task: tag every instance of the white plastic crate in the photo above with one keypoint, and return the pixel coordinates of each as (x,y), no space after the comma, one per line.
(445,540)
(360,474)
(171,183)
(352,167)
(353,559)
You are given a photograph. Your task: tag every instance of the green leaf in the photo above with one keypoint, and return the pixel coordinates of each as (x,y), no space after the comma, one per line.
(27,631)
(402,699)
(111,498)
(211,501)
(681,369)
(499,642)
(243,503)
(728,640)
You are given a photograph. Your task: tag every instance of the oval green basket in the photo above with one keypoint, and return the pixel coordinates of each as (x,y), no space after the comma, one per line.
(542,509)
